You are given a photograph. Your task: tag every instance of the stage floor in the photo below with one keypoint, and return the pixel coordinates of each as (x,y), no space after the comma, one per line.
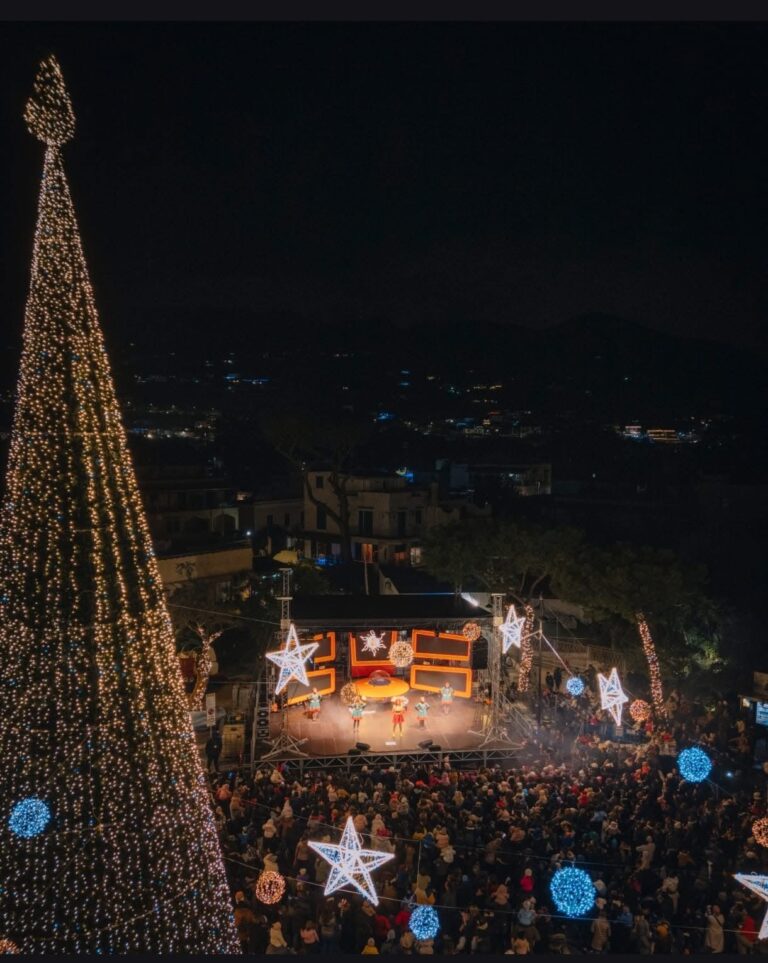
(332,735)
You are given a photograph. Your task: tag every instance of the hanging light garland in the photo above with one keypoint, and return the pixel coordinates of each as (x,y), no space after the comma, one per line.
(654,672)
(424,922)
(292,659)
(760,831)
(351,865)
(640,710)
(526,651)
(401,654)
(572,891)
(269,888)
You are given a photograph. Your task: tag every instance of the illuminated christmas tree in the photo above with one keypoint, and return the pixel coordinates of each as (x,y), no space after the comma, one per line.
(107,842)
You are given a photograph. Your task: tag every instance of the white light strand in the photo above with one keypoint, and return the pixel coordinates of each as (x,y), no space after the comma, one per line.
(612,696)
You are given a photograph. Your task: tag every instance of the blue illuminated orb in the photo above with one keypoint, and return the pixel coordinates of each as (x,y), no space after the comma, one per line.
(29,817)
(575,685)
(572,891)
(424,923)
(694,764)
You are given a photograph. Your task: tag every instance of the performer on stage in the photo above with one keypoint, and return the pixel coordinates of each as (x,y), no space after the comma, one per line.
(356,711)
(446,698)
(399,705)
(314,705)
(422,708)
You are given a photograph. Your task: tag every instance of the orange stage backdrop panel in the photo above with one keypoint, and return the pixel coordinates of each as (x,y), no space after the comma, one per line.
(324,680)
(327,650)
(363,663)
(430,645)
(431,678)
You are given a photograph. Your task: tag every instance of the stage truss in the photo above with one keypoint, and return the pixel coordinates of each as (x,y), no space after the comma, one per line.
(480,756)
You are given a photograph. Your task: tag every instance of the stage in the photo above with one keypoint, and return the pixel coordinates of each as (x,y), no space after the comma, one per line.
(332,735)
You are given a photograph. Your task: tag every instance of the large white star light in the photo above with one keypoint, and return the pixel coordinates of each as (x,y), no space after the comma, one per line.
(612,696)
(511,630)
(759,885)
(351,865)
(292,660)
(372,642)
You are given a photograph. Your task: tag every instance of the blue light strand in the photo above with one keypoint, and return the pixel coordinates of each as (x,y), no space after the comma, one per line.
(572,891)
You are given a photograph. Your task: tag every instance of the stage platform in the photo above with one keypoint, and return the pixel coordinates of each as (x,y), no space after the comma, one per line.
(332,735)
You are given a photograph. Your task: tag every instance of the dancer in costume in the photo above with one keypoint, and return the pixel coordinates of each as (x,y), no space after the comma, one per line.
(446,698)
(422,708)
(399,706)
(356,711)
(314,705)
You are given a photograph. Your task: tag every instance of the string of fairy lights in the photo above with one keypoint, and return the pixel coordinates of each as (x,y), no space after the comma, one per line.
(101,787)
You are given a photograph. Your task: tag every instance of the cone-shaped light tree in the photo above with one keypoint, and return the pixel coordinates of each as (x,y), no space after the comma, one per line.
(107,842)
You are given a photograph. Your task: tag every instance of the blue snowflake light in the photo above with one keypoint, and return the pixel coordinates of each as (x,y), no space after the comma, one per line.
(694,764)
(572,891)
(29,817)
(575,685)
(424,923)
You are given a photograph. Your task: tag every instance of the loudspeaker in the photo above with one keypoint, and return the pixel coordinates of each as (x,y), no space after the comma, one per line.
(480,653)
(427,744)
(362,746)
(434,748)
(354,752)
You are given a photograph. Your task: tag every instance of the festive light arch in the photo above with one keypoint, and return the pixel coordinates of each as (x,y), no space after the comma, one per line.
(351,865)
(572,891)
(694,764)
(292,660)
(424,922)
(575,686)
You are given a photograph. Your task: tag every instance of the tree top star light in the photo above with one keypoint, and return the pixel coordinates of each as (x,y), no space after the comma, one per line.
(612,696)
(351,865)
(759,885)
(105,819)
(292,660)
(373,643)
(511,630)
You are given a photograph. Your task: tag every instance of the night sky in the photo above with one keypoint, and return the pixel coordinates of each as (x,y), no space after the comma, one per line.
(509,172)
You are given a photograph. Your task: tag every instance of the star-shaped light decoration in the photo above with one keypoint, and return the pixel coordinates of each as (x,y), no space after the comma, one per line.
(511,630)
(351,865)
(612,696)
(759,885)
(372,642)
(292,659)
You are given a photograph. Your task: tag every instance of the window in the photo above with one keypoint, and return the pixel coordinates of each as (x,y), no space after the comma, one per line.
(365,522)
(402,519)
(319,481)
(321,519)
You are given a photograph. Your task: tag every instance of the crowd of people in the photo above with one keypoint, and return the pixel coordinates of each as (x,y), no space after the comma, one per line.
(481,845)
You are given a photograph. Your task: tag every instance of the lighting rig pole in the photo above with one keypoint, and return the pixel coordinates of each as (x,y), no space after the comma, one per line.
(284,742)
(495,729)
